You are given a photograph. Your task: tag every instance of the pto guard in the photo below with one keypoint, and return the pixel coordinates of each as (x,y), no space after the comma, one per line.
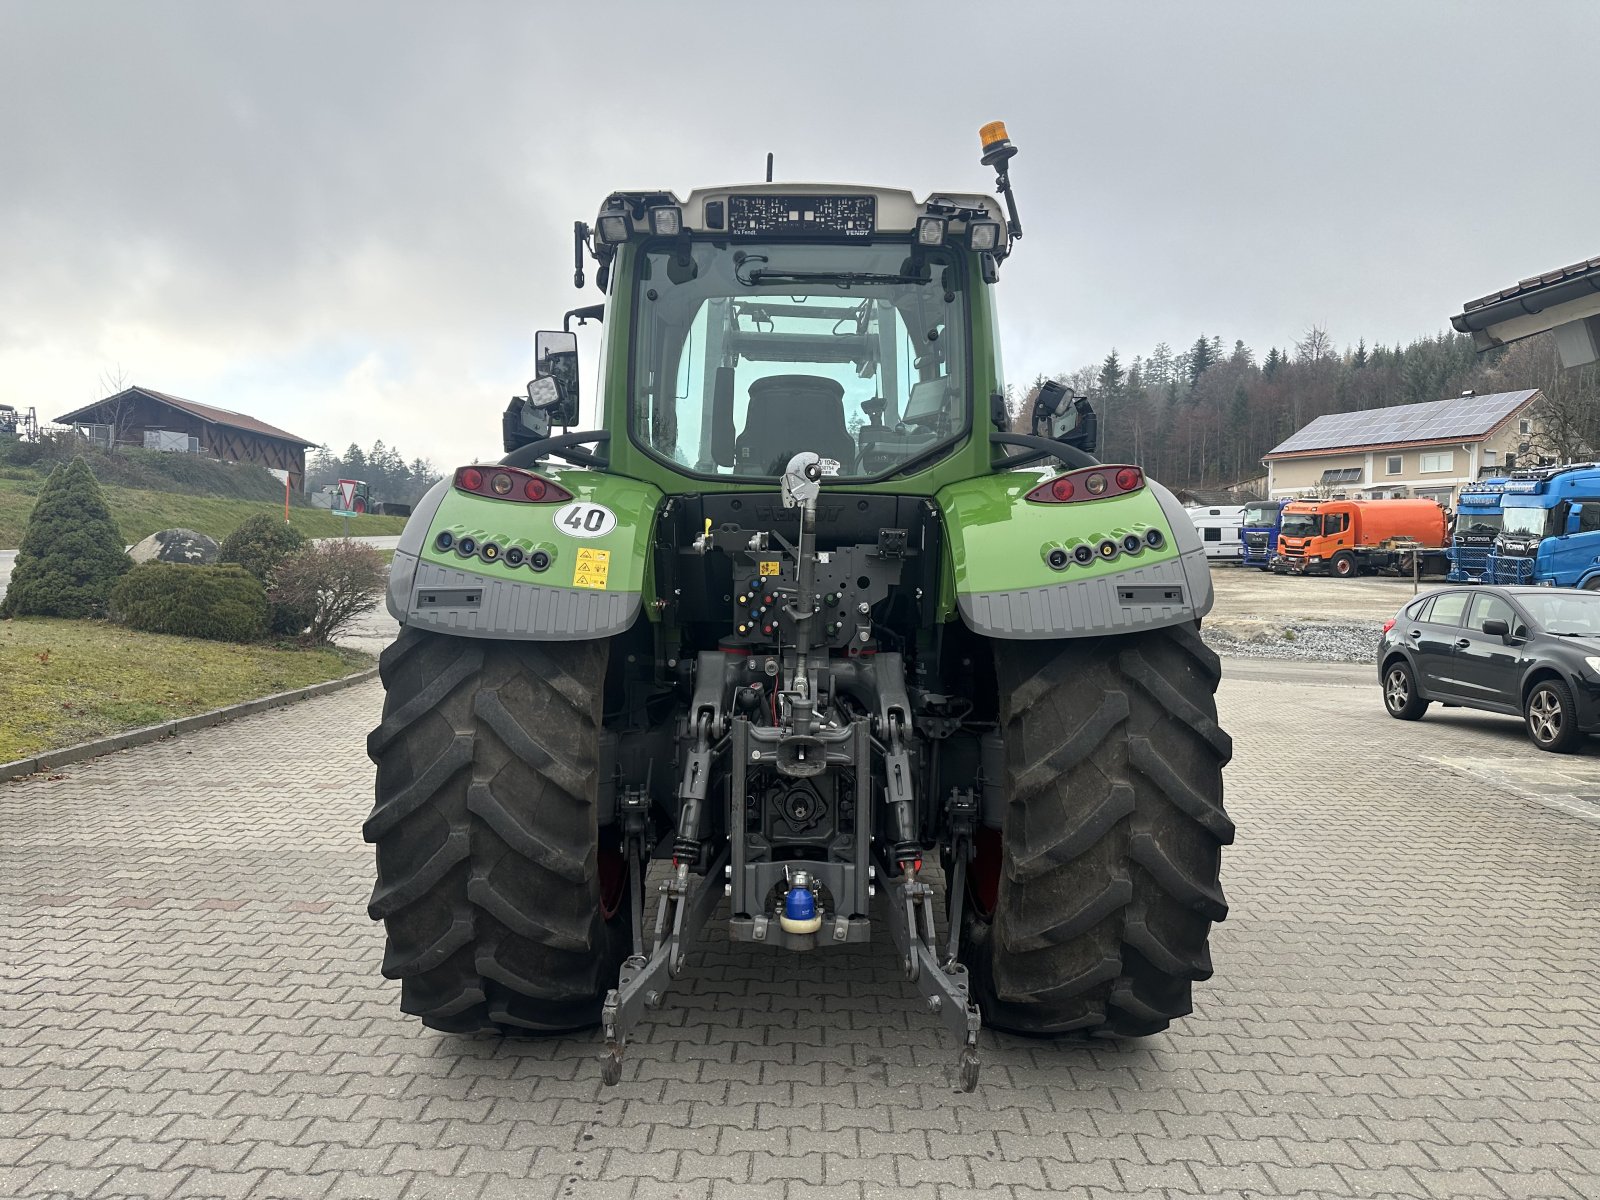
(1001,543)
(596,547)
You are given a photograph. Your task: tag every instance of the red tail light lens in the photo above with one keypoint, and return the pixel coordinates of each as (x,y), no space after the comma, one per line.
(510,483)
(1388,625)
(1090,483)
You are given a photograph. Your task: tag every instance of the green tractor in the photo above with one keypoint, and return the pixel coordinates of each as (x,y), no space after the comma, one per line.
(802,618)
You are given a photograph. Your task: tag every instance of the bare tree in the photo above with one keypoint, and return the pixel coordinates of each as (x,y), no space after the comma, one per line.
(119,410)
(1315,346)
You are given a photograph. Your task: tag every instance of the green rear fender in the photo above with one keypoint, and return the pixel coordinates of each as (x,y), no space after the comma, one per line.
(1003,581)
(488,581)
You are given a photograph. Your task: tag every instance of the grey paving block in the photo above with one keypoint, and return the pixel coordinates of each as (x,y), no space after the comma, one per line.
(1402,1006)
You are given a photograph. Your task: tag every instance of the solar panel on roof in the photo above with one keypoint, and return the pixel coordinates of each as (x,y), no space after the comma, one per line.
(1460,417)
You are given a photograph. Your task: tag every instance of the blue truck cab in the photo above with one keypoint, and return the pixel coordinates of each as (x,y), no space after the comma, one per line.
(1550,528)
(1258,531)
(1478,519)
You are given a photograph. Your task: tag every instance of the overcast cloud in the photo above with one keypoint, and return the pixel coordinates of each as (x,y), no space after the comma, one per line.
(348,218)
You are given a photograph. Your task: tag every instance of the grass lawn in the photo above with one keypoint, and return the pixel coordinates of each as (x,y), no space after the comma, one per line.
(139,514)
(63,682)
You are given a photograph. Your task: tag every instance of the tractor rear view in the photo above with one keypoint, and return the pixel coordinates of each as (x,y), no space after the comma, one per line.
(801,617)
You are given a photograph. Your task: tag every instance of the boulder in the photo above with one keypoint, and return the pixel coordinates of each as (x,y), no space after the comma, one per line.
(176,546)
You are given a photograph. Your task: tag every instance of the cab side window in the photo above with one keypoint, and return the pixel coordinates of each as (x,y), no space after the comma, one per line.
(1589,516)
(1336,523)
(1490,608)
(1449,608)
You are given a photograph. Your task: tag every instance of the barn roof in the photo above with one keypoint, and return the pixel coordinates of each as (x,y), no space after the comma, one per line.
(206,412)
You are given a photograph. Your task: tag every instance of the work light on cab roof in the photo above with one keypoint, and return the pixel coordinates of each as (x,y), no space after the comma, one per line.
(800,612)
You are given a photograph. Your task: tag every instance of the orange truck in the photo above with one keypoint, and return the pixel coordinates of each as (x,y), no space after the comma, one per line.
(1349,537)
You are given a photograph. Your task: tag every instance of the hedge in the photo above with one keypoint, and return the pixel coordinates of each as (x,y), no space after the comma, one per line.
(224,603)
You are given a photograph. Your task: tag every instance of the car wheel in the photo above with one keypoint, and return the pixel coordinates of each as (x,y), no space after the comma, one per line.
(1552,722)
(1592,585)
(1344,566)
(1400,692)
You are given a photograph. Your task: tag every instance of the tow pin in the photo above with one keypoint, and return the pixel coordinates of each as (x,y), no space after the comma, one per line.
(800,906)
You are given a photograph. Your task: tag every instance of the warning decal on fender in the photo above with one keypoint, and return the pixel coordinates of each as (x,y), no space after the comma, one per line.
(580,519)
(591,568)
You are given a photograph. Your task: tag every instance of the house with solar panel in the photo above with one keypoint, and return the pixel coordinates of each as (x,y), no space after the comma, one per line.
(1427,451)
(139,416)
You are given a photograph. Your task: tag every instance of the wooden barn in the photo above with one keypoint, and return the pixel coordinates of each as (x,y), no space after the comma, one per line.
(140,416)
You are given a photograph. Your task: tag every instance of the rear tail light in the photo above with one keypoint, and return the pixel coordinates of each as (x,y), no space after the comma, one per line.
(1088,483)
(1388,625)
(510,483)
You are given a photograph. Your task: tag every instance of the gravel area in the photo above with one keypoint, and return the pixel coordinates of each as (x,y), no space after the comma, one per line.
(1297,641)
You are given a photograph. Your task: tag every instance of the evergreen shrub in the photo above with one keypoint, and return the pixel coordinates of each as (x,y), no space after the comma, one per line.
(71,553)
(222,603)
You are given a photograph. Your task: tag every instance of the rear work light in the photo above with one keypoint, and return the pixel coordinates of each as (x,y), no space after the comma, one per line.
(510,483)
(1088,483)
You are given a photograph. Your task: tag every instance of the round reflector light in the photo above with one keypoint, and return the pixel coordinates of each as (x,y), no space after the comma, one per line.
(472,479)
(500,484)
(1128,479)
(1062,488)
(534,489)
(1095,485)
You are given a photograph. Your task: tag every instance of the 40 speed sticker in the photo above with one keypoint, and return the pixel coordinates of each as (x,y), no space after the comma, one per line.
(580,519)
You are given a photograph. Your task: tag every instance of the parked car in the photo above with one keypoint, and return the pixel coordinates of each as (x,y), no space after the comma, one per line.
(1532,652)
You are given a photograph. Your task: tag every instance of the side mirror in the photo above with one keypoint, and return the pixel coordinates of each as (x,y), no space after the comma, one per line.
(1065,417)
(1574,518)
(554,388)
(1494,627)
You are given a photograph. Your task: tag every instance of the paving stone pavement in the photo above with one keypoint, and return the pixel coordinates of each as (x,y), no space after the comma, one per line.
(1404,1003)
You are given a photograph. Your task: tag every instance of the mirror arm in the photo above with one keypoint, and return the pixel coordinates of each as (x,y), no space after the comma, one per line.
(589,312)
(563,446)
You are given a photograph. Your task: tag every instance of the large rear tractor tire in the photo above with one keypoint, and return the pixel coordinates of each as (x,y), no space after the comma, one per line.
(500,899)
(1089,912)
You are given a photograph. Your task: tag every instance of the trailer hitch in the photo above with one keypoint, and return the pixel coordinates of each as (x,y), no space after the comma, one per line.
(681,912)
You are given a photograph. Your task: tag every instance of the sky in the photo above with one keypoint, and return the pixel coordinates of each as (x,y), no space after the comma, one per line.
(348,219)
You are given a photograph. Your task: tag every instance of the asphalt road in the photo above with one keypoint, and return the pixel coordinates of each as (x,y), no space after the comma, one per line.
(1403,1005)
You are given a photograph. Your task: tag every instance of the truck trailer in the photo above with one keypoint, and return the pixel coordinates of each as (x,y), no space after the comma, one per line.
(1353,537)
(1550,528)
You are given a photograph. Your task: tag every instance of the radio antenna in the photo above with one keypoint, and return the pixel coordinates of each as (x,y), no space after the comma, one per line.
(769,166)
